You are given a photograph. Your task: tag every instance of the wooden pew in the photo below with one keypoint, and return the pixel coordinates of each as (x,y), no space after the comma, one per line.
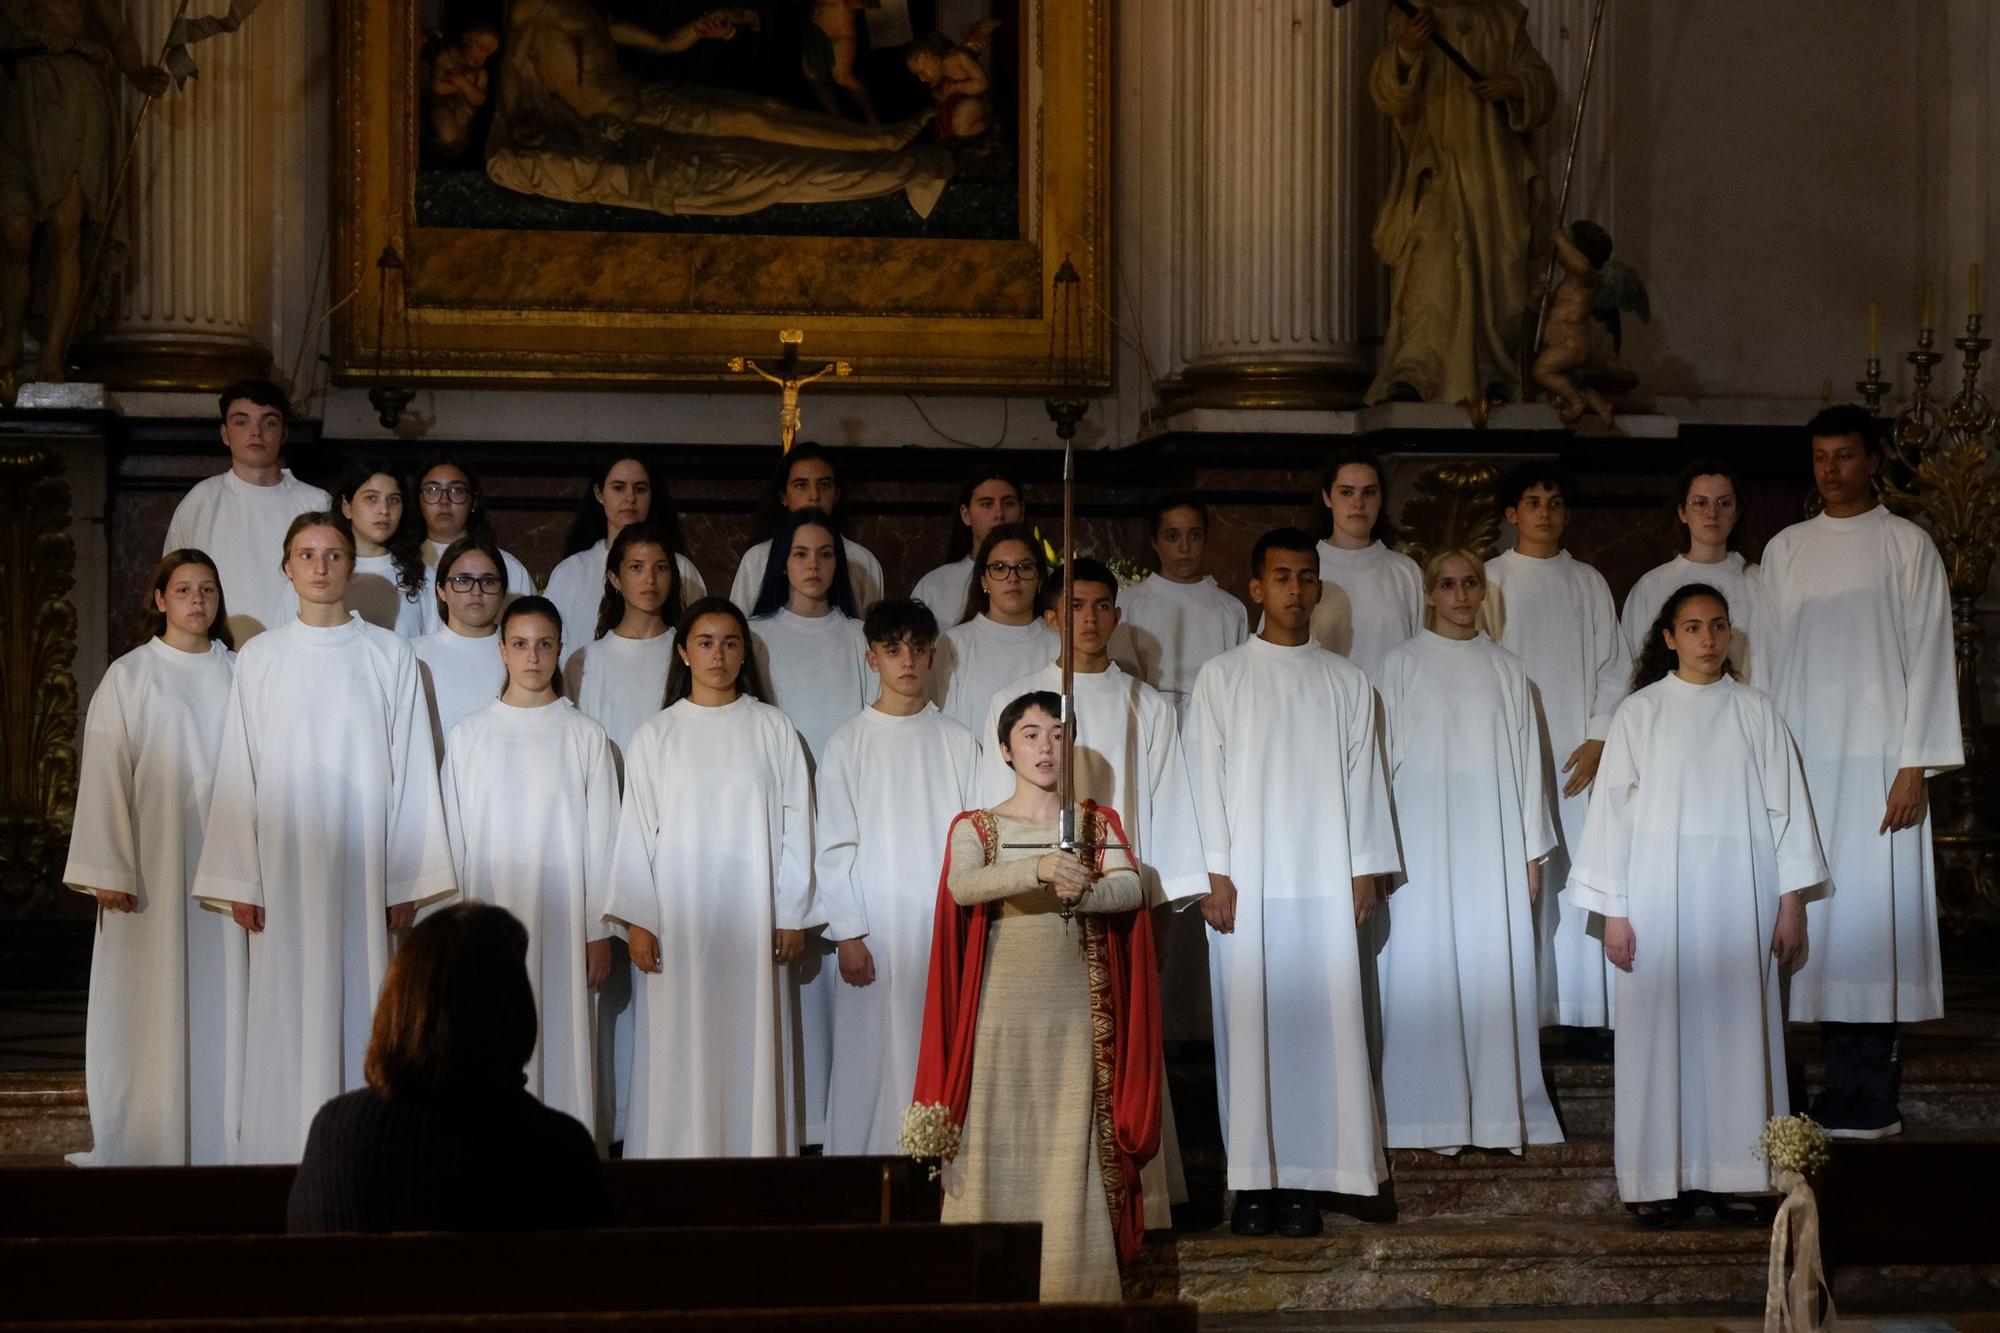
(1135,1318)
(250,1200)
(209,1278)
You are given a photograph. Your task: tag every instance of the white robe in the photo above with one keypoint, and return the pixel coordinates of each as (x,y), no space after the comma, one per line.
(325,814)
(461,676)
(887,791)
(714,852)
(242,528)
(1370,601)
(160,977)
(375,593)
(577,585)
(976,658)
(1167,631)
(1557,616)
(1461,1045)
(863,570)
(1861,666)
(1732,577)
(520,583)
(946,590)
(620,683)
(531,799)
(1701,821)
(1288,776)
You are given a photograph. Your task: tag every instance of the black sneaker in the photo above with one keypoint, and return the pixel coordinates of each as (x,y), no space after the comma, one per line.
(1255,1214)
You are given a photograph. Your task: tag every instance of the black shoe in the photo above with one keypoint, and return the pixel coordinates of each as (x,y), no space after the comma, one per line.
(1298,1215)
(1589,1044)
(1865,1118)
(1659,1215)
(1255,1213)
(1739,1210)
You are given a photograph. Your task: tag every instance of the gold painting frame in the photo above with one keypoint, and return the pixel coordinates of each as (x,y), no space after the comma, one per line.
(583,308)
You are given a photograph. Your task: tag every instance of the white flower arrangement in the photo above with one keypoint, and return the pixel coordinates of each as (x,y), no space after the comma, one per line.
(929,1132)
(1795,1143)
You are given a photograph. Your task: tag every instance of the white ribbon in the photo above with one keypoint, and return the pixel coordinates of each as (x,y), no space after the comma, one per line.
(1791,1304)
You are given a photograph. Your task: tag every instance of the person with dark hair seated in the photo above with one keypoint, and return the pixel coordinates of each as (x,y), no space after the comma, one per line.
(445,1137)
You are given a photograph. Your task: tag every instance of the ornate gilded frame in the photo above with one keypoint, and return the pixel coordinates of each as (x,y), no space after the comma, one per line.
(579,308)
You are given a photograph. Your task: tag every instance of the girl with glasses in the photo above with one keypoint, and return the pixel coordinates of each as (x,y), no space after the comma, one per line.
(461,659)
(1003,639)
(449,501)
(1708,511)
(986,500)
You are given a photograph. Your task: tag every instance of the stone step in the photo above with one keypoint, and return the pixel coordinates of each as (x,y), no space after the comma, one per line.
(1572,1179)
(42,1115)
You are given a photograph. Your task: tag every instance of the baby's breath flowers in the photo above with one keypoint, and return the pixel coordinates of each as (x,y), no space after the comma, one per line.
(929,1132)
(1795,1143)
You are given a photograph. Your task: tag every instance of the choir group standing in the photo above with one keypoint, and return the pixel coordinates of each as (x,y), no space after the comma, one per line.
(1422,812)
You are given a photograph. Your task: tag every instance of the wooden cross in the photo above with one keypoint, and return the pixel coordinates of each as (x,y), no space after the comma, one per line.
(789,380)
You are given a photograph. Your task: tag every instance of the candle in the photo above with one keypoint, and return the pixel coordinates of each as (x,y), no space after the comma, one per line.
(1874,331)
(1930,306)
(1972,286)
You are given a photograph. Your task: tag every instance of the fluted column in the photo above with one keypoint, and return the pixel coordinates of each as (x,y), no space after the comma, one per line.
(1560,30)
(1278,229)
(195,223)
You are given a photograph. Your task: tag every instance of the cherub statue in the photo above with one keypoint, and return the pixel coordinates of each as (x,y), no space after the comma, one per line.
(458,85)
(958,82)
(831,40)
(1592,286)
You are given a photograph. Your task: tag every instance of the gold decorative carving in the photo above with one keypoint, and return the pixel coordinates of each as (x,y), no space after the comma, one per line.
(1452,506)
(38,694)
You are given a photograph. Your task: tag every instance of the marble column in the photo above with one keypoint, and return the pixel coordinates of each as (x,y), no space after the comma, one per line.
(1276,237)
(1560,30)
(196,225)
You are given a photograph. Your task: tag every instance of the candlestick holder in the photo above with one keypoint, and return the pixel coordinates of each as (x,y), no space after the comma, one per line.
(1873,388)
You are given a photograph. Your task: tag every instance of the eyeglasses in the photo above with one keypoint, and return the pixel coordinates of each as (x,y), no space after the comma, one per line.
(1001,572)
(486,583)
(1701,504)
(457,492)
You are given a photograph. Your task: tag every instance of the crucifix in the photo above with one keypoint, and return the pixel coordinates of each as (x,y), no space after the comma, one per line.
(789,379)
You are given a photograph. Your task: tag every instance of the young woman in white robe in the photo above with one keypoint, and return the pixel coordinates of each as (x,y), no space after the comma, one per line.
(324,834)
(531,799)
(1372,595)
(1004,638)
(1709,508)
(1177,618)
(449,501)
(162,967)
(461,661)
(893,778)
(389,576)
(986,500)
(807,478)
(711,876)
(619,676)
(1461,1048)
(1698,848)
(626,488)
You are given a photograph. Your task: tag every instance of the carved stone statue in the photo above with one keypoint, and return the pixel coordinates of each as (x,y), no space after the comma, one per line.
(1464,194)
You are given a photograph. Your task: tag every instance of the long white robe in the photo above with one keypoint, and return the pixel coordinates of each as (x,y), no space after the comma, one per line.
(946,590)
(1288,777)
(461,676)
(375,593)
(1167,631)
(620,683)
(1370,601)
(1861,666)
(242,528)
(976,658)
(1732,576)
(325,814)
(1701,821)
(886,793)
(531,799)
(160,977)
(576,586)
(520,583)
(714,852)
(1557,616)
(863,569)
(1461,1053)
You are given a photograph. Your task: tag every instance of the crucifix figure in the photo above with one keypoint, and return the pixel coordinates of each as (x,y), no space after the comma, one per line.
(789,381)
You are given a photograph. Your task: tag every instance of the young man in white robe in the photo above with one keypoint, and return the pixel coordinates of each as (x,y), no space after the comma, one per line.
(1699,844)
(1176,619)
(1129,757)
(240,517)
(461,662)
(808,478)
(1296,824)
(1005,638)
(1858,615)
(162,967)
(325,833)
(1556,614)
(892,780)
(987,500)
(1371,595)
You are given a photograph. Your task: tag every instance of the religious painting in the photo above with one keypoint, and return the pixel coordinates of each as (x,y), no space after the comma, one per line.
(631,191)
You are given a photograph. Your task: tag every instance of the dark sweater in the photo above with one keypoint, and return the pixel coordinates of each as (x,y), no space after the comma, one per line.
(500,1162)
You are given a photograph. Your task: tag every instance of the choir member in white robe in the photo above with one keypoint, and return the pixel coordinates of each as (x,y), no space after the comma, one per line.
(241,516)
(162,966)
(1176,619)
(987,500)
(531,799)
(1004,639)
(389,575)
(1296,825)
(449,501)
(1556,614)
(624,490)
(893,778)
(1461,1041)
(461,663)
(325,833)
(1708,511)
(808,478)
(712,877)
(1859,615)
(1371,595)
(1699,842)
(619,676)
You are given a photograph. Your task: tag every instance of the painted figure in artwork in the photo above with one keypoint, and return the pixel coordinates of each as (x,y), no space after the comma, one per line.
(832,41)
(458,84)
(958,82)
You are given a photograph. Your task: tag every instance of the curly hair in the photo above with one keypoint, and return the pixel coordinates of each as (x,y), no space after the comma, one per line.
(1656,661)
